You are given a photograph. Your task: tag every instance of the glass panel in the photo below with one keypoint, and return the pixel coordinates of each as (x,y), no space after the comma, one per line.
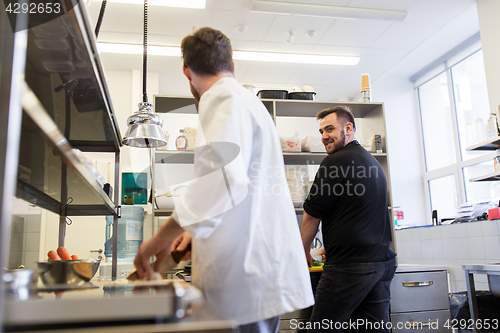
(471,102)
(436,123)
(480,191)
(444,196)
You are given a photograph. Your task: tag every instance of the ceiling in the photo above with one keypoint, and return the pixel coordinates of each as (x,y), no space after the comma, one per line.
(386,48)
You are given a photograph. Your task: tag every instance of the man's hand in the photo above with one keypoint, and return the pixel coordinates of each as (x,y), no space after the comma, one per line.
(152,247)
(180,243)
(309,259)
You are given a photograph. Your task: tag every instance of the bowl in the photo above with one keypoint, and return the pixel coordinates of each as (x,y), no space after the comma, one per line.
(70,273)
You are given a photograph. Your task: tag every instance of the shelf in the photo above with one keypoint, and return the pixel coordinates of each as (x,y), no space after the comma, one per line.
(304,108)
(491,177)
(302,158)
(47,158)
(173,104)
(491,144)
(69,82)
(174,156)
(163,212)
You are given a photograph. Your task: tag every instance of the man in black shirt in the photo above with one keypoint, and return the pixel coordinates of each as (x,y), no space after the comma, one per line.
(349,196)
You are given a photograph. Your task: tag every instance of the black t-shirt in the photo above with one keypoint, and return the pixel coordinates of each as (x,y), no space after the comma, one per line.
(350,196)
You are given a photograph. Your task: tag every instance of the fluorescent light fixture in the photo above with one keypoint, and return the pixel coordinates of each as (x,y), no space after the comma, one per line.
(168,51)
(237,55)
(295,58)
(326,11)
(197,4)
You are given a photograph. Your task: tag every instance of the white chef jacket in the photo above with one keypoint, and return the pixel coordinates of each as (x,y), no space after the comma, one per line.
(248,257)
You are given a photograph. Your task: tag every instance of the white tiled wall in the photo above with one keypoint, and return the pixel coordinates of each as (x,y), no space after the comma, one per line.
(452,245)
(24,241)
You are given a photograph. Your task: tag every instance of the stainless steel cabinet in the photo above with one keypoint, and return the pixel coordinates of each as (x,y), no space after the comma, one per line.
(419,299)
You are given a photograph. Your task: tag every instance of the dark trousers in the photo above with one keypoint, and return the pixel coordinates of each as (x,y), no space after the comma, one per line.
(353,297)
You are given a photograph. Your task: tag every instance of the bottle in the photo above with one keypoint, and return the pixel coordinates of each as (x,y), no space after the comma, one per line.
(365,88)
(491,127)
(181,141)
(469,134)
(130,233)
(480,130)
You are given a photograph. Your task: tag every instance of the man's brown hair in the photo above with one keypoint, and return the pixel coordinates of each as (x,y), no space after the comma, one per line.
(343,113)
(207,51)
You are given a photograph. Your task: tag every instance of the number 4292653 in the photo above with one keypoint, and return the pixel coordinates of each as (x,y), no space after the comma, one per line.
(469,324)
(33,8)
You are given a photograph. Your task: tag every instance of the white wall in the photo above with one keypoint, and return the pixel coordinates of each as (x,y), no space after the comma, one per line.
(489,25)
(404,146)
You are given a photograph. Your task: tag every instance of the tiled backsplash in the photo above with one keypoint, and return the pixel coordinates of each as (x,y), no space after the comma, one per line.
(452,245)
(24,241)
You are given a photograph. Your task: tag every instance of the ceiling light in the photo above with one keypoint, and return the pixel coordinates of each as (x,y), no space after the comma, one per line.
(296,58)
(144,126)
(237,55)
(197,4)
(326,11)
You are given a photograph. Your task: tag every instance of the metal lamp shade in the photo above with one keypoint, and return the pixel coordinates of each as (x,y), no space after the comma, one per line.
(144,129)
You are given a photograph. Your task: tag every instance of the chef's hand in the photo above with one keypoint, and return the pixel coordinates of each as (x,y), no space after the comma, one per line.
(152,247)
(180,243)
(309,259)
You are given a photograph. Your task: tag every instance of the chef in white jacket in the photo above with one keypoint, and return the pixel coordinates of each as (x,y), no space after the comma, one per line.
(247,252)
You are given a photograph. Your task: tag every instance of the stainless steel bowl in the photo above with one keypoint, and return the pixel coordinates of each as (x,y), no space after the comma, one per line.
(70,273)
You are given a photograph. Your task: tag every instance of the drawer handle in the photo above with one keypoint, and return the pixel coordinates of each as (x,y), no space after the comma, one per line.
(418,284)
(420,324)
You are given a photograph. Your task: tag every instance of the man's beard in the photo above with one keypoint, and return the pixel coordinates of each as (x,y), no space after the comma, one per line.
(339,144)
(195,93)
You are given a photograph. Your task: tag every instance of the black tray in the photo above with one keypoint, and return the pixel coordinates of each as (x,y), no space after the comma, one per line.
(273,94)
(302,95)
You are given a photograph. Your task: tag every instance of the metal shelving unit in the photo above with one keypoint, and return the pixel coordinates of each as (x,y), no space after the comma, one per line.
(370,114)
(62,101)
(491,144)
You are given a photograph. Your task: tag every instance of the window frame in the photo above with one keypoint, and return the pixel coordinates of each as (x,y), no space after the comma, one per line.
(445,65)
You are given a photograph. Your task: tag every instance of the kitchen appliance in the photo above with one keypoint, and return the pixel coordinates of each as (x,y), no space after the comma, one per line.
(130,233)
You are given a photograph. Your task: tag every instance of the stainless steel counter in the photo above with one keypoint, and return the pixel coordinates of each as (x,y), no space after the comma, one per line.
(470,270)
(109,307)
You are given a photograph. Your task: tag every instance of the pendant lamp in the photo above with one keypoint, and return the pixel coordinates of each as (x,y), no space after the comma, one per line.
(144,126)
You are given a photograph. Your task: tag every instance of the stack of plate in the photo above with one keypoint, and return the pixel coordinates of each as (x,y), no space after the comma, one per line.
(296,184)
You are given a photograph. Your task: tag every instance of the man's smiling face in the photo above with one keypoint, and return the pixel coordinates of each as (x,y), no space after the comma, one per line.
(332,133)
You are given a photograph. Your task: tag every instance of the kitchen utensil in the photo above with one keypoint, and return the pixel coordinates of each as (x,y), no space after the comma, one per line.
(169,263)
(70,273)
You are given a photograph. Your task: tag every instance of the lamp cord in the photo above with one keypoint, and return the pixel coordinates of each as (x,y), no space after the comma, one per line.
(145,54)
(99,20)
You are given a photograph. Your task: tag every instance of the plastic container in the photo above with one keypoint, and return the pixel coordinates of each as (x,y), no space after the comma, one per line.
(181,141)
(492,127)
(481,136)
(469,133)
(130,233)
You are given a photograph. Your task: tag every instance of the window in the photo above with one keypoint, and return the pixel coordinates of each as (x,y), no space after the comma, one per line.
(454,111)
(436,123)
